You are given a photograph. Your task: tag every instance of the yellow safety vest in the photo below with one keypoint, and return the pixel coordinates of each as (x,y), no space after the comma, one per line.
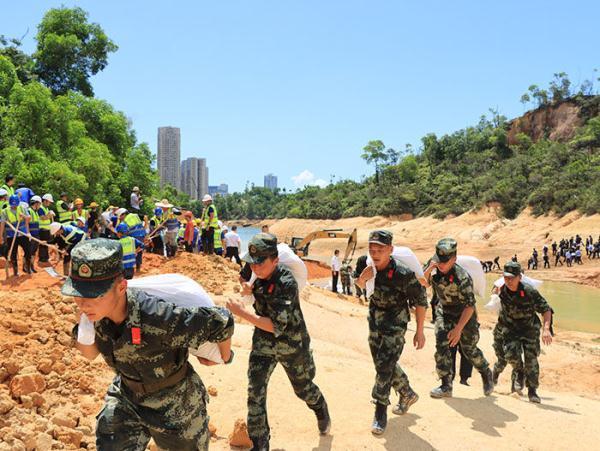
(45,223)
(9,189)
(214,223)
(128,245)
(218,243)
(84,214)
(64,216)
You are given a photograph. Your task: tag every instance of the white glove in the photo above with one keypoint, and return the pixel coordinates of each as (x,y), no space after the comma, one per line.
(86,334)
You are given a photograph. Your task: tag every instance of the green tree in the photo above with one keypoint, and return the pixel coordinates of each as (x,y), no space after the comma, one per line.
(70,50)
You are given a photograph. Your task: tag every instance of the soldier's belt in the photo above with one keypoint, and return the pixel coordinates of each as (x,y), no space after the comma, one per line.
(140,388)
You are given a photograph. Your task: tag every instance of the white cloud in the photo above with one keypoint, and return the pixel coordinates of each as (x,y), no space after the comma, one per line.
(308,178)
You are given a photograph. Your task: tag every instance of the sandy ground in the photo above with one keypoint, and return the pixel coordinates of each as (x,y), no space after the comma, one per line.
(480,233)
(56,410)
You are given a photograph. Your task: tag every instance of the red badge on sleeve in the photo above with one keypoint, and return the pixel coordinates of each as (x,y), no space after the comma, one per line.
(522,294)
(271,288)
(136,336)
(451,278)
(390,273)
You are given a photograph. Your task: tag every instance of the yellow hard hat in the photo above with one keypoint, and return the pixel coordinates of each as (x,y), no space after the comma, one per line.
(78,201)
(93,205)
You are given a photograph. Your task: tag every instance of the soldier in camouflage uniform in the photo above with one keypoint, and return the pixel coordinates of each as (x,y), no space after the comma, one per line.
(520,326)
(345,271)
(155,393)
(456,317)
(396,289)
(280,336)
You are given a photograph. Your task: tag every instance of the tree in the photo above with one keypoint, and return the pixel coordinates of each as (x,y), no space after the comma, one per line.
(23,63)
(560,87)
(70,50)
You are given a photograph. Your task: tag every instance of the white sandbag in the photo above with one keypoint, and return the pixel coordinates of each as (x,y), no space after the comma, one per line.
(535,283)
(289,259)
(406,256)
(473,266)
(494,305)
(183,292)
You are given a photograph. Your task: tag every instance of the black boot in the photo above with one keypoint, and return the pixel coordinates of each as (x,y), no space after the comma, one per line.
(407,398)
(444,390)
(15,267)
(260,444)
(495,376)
(488,382)
(31,267)
(464,381)
(380,419)
(518,383)
(533,396)
(323,418)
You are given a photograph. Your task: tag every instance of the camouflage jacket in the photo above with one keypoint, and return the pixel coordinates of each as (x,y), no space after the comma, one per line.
(277,298)
(519,308)
(152,343)
(454,290)
(396,288)
(345,272)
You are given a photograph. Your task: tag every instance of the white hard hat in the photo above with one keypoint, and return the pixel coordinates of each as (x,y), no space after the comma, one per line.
(48,197)
(225,228)
(3,192)
(55,227)
(36,199)
(121,211)
(206,198)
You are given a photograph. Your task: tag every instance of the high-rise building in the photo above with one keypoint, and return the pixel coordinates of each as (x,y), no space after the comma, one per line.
(270,181)
(194,177)
(169,152)
(219,190)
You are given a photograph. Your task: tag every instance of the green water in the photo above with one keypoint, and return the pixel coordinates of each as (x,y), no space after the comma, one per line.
(576,307)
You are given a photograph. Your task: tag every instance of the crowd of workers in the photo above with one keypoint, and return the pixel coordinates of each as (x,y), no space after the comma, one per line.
(40,225)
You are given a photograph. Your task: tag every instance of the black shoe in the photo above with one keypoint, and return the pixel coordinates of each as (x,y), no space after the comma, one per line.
(323,419)
(260,444)
(380,419)
(517,384)
(488,382)
(444,390)
(464,381)
(533,396)
(407,398)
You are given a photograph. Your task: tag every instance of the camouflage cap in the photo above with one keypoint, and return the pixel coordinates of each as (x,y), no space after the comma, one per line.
(94,266)
(260,247)
(512,269)
(384,237)
(445,249)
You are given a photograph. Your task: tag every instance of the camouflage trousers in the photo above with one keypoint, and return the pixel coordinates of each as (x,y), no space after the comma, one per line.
(468,344)
(174,417)
(501,361)
(528,345)
(300,369)
(386,347)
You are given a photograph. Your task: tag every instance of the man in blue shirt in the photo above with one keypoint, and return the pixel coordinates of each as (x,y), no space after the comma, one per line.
(25,194)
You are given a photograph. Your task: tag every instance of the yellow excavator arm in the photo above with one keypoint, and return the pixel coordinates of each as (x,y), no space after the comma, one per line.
(301,245)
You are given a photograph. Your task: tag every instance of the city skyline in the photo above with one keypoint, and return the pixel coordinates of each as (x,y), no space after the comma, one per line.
(168,155)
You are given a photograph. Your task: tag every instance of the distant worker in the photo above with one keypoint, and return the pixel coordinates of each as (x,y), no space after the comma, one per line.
(265,229)
(210,222)
(361,264)
(130,247)
(135,229)
(80,212)
(25,194)
(497,263)
(136,201)
(346,277)
(18,217)
(34,230)
(93,218)
(171,225)
(46,218)
(9,182)
(218,240)
(156,225)
(67,237)
(65,215)
(233,244)
(336,265)
(456,322)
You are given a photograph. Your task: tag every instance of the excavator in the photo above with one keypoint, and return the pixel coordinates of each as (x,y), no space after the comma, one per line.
(300,245)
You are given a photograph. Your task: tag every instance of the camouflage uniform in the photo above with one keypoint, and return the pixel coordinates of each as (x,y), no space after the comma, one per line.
(520,327)
(455,292)
(501,361)
(277,298)
(346,279)
(155,393)
(396,287)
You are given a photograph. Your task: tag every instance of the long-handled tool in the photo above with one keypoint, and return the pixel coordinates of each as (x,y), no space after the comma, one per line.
(40,242)
(12,245)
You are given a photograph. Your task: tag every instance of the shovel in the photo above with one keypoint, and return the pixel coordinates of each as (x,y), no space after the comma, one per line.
(8,256)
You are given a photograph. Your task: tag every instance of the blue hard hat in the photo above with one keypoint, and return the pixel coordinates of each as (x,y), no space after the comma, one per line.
(13,200)
(122,228)
(158,211)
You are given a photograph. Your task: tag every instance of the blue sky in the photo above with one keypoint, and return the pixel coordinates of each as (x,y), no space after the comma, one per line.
(298,88)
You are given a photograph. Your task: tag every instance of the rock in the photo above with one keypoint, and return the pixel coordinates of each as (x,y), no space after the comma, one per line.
(239,437)
(64,339)
(65,417)
(37,399)
(68,436)
(12,366)
(43,442)
(44,366)
(46,311)
(19,327)
(3,374)
(212,390)
(27,401)
(6,404)
(24,384)
(212,429)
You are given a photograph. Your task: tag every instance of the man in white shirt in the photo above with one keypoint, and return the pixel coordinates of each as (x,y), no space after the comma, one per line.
(136,201)
(233,243)
(335,270)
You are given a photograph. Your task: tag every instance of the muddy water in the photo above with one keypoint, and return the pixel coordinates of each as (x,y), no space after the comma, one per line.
(576,307)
